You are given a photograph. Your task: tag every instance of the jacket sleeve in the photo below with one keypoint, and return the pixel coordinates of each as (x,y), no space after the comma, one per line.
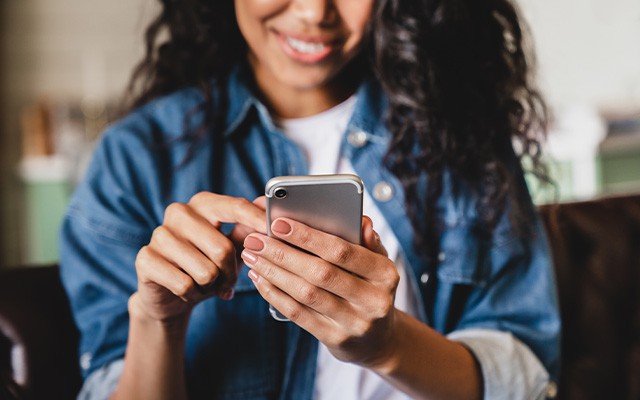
(500,300)
(108,220)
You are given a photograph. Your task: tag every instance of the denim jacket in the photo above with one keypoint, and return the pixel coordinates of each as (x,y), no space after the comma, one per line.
(235,349)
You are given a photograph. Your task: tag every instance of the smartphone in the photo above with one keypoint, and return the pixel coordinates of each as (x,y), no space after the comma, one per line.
(329,203)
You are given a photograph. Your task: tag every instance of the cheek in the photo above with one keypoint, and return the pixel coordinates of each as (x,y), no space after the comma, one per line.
(252,17)
(356,16)
(249,20)
(259,9)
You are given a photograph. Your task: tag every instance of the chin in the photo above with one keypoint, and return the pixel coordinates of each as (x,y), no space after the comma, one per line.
(304,80)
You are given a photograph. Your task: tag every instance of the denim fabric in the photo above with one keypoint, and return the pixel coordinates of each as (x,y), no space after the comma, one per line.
(235,349)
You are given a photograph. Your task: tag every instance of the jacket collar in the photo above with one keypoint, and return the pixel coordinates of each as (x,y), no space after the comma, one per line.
(368,115)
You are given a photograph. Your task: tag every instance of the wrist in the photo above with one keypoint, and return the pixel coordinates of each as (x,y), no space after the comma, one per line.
(388,358)
(175,326)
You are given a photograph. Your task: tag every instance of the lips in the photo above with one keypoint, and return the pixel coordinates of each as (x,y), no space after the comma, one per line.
(305,47)
(306,50)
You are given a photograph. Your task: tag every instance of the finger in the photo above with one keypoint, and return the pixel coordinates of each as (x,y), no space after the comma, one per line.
(261,202)
(370,238)
(239,234)
(196,230)
(298,288)
(301,315)
(311,268)
(241,231)
(151,267)
(351,257)
(185,256)
(226,209)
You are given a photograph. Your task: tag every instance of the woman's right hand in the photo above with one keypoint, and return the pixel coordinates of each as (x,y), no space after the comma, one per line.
(188,259)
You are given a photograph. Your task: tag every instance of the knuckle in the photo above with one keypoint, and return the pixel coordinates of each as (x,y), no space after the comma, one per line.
(160,235)
(174,210)
(342,253)
(143,258)
(309,295)
(294,312)
(382,308)
(266,292)
(324,276)
(143,255)
(183,287)
(207,275)
(227,246)
(240,202)
(269,272)
(360,327)
(279,255)
(198,198)
(304,237)
(222,250)
(392,279)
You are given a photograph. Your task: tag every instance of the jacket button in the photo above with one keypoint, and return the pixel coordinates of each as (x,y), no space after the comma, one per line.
(382,192)
(85,360)
(424,278)
(357,139)
(442,256)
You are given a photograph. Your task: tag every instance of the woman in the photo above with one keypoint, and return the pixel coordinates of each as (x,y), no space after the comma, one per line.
(452,295)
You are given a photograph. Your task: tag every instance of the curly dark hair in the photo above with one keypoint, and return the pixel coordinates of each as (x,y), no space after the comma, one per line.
(457,74)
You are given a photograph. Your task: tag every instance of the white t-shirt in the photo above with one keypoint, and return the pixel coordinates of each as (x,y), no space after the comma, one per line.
(320,137)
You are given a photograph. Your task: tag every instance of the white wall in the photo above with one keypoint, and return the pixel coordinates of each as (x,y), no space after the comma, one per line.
(588,50)
(63,50)
(589,66)
(55,47)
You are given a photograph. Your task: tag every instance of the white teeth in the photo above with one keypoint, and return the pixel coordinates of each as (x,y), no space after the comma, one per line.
(305,47)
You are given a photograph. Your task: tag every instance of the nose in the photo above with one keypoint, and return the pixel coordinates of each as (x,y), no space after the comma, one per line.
(315,12)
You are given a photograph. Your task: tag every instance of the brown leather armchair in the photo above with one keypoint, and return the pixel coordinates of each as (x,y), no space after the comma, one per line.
(38,338)
(596,248)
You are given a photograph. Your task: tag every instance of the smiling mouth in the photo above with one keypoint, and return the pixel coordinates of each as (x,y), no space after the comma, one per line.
(305,47)
(307,51)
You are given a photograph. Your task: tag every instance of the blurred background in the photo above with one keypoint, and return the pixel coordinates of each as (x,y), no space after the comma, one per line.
(64,65)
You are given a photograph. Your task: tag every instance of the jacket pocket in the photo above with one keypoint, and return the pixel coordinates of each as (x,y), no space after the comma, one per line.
(460,257)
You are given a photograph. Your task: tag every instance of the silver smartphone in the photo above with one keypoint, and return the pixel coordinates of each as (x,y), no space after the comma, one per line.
(330,203)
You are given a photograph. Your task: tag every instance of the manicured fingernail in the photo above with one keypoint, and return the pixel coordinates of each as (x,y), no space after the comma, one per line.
(281,227)
(254,277)
(248,257)
(228,295)
(253,243)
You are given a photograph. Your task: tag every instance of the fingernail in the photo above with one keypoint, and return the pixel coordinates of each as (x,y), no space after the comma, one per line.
(253,276)
(228,295)
(248,257)
(253,243)
(281,227)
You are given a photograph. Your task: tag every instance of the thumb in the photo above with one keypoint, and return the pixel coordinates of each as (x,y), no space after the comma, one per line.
(261,202)
(370,238)
(240,232)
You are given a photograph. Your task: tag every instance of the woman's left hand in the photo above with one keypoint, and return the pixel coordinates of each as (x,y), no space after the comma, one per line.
(342,293)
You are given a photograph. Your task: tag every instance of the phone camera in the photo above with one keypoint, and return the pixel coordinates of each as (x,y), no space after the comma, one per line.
(280,193)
